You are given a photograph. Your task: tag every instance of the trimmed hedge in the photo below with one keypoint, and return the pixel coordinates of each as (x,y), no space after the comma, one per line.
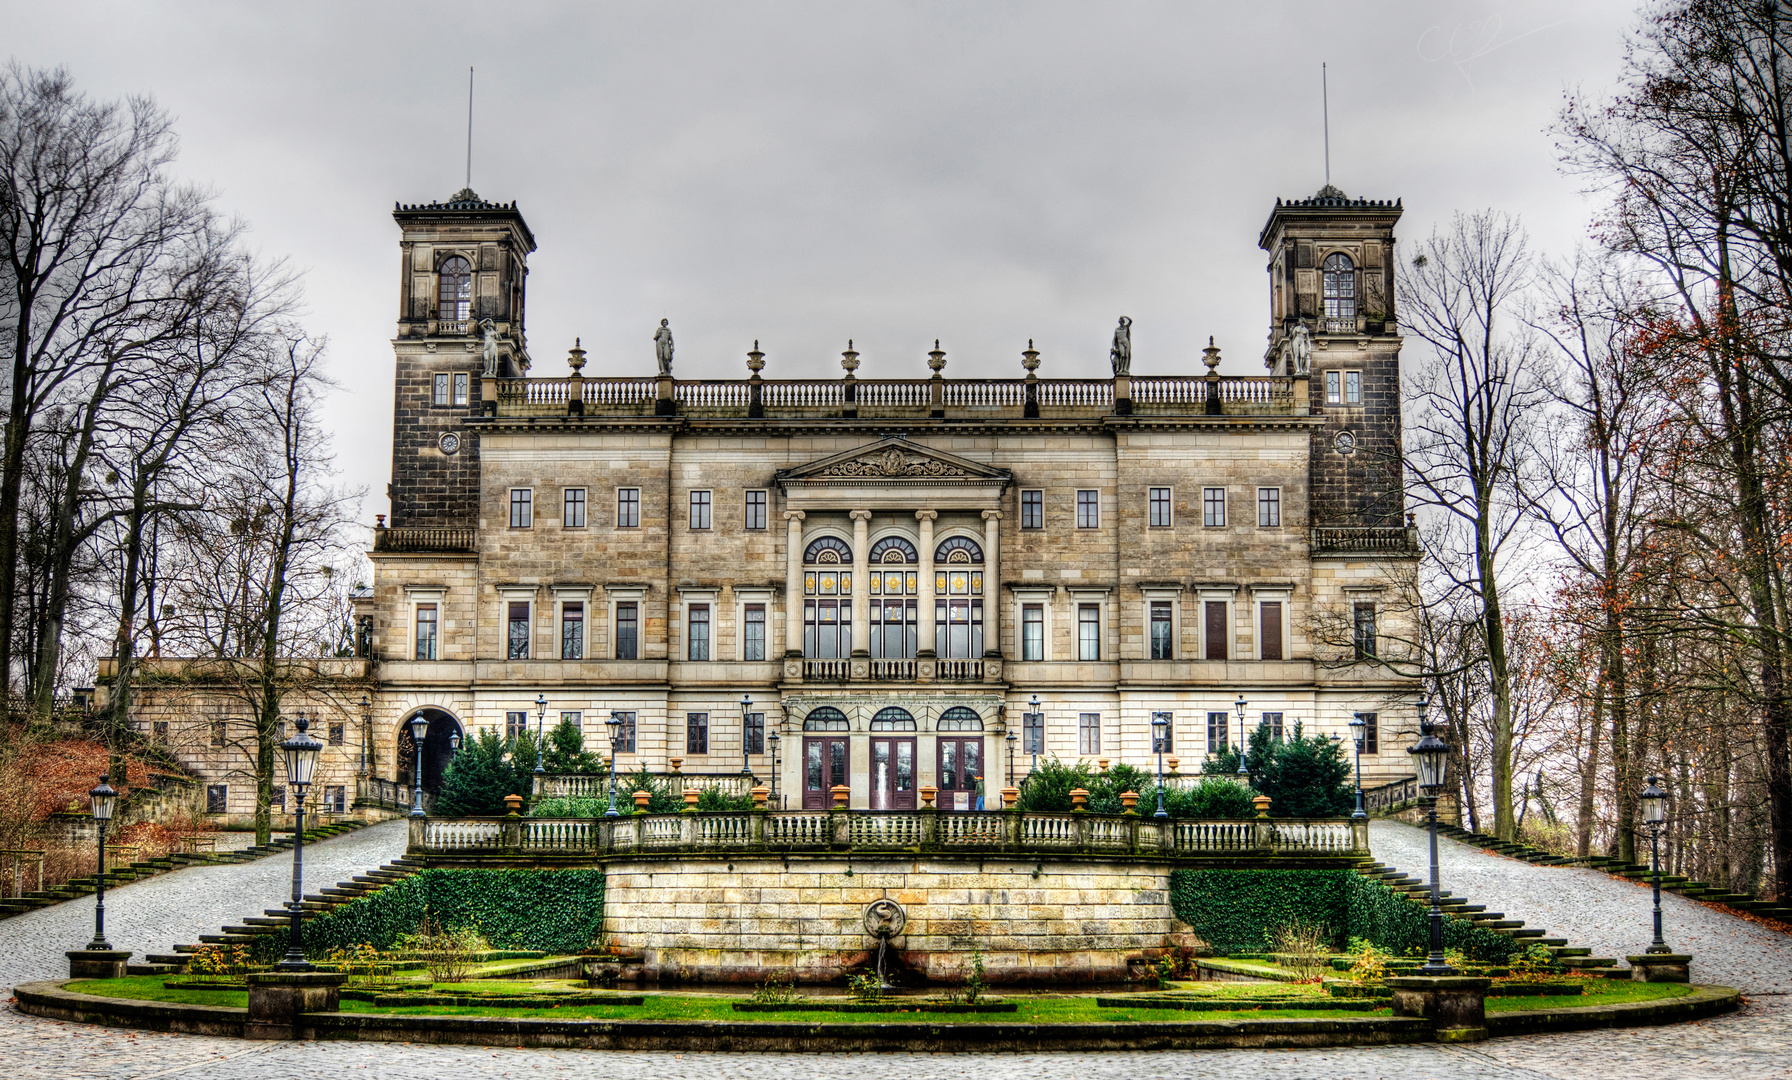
(1235,910)
(558,911)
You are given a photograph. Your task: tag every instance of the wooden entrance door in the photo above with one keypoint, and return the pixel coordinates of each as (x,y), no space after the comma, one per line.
(961,763)
(892,774)
(824,765)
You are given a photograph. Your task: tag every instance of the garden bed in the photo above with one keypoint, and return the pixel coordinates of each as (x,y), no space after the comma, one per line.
(921,1006)
(1191,1003)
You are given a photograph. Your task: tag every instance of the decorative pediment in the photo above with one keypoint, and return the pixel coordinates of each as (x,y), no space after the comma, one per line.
(893,459)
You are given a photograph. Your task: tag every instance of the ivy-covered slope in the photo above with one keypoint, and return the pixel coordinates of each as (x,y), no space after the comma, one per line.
(559,911)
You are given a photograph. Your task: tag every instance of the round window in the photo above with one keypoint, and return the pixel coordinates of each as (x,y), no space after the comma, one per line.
(1346,443)
(450,442)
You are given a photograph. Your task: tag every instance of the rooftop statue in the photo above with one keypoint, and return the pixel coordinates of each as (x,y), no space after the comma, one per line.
(1121,353)
(662,346)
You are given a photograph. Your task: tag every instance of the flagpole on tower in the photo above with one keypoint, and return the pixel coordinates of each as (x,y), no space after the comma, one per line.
(1325,104)
(470,127)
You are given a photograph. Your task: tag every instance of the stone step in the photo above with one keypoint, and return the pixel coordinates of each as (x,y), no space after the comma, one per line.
(188,949)
(227,939)
(1529,932)
(1578,962)
(1505,924)
(150,969)
(1552,941)
(1485,917)
(173,959)
(280,919)
(250,931)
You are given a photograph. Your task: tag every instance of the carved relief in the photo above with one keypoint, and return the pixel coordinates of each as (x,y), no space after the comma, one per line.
(893,463)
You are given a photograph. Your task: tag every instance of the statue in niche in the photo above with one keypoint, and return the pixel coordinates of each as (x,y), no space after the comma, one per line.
(489,349)
(662,346)
(1121,353)
(1300,350)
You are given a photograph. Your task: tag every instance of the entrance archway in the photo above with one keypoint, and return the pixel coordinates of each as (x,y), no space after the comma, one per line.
(436,748)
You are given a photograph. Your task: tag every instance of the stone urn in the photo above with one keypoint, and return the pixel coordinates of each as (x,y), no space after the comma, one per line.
(755,360)
(760,794)
(840,793)
(642,798)
(1261,802)
(513,803)
(1010,796)
(1079,799)
(1029,359)
(676,762)
(928,793)
(691,795)
(575,357)
(1102,763)
(937,358)
(1129,802)
(1173,761)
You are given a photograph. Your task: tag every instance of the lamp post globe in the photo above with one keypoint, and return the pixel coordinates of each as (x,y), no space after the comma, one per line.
(419,729)
(1429,755)
(1359,729)
(614,724)
(105,800)
(454,743)
(301,752)
(1654,802)
(1243,743)
(746,747)
(541,720)
(772,739)
(1160,734)
(1009,740)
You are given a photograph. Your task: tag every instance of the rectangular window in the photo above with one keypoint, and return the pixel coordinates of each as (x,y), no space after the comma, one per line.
(517,635)
(572,514)
(515,723)
(752,635)
(1370,734)
(755,510)
(755,734)
(1269,508)
(628,639)
(338,732)
(628,508)
(1088,733)
(216,797)
(522,508)
(1269,641)
(1166,742)
(1161,630)
(426,632)
(1217,724)
(1088,632)
(625,736)
(572,630)
(1160,508)
(1032,509)
(218,732)
(1213,507)
(441,397)
(277,799)
(1032,632)
(697,633)
(1332,394)
(1032,733)
(336,799)
(1353,388)
(460,388)
(159,730)
(1364,627)
(699,509)
(1273,721)
(1088,509)
(696,733)
(1219,643)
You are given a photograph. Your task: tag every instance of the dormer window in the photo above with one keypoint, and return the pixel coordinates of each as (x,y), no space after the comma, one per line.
(454,298)
(1340,293)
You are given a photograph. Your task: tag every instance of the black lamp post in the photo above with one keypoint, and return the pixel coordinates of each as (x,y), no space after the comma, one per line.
(614,723)
(454,743)
(104,799)
(1430,755)
(1009,740)
(1358,729)
(541,721)
(419,728)
(1038,719)
(301,761)
(746,762)
(1160,734)
(1243,743)
(1655,815)
(366,730)
(772,739)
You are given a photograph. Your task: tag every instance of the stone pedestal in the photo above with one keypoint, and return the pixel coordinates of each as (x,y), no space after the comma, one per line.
(97,963)
(1657,967)
(276,998)
(1456,1005)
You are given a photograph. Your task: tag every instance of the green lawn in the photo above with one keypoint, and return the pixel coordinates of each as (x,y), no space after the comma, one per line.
(1594,992)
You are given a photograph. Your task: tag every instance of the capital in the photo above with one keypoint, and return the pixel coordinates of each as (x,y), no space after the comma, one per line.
(860,515)
(794,515)
(926,515)
(992,515)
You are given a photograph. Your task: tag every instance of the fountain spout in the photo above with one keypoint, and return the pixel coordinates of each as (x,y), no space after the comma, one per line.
(884,919)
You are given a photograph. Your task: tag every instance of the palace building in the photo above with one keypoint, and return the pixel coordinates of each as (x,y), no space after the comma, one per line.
(886,583)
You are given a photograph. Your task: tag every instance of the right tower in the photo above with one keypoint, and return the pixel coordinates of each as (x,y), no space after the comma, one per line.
(1331,285)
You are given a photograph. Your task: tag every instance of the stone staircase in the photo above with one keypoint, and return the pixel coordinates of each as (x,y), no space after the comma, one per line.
(279,920)
(1692,890)
(1419,891)
(121,875)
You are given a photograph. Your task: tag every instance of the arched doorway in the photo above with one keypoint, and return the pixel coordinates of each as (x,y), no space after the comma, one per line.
(436,748)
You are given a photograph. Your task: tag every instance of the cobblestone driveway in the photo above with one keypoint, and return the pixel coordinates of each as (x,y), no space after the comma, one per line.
(155,914)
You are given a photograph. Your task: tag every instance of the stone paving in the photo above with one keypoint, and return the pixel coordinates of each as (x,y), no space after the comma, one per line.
(1754,1044)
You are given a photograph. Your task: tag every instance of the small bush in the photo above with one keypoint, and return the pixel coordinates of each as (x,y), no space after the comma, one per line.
(717,799)
(776,990)
(974,984)
(1302,946)
(217,960)
(446,952)
(864,988)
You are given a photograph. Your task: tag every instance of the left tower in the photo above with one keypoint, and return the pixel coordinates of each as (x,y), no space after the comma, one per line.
(461,288)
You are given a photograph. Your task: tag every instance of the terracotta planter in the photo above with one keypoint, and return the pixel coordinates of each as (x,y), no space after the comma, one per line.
(691,795)
(1173,761)
(1010,796)
(1261,802)
(760,794)
(1129,802)
(840,791)
(642,798)
(928,794)
(1079,798)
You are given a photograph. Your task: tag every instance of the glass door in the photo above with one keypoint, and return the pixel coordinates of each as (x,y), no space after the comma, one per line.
(824,765)
(892,774)
(961,766)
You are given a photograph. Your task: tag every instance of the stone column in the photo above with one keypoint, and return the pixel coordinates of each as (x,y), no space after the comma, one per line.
(1456,1005)
(861,584)
(924,597)
(793,584)
(277,999)
(992,583)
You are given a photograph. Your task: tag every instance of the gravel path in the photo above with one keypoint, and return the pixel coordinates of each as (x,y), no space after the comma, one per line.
(153,915)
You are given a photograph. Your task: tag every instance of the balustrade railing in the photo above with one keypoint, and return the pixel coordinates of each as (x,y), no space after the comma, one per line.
(388,794)
(958,671)
(927,829)
(1388,796)
(425,539)
(1394,539)
(893,669)
(587,786)
(839,670)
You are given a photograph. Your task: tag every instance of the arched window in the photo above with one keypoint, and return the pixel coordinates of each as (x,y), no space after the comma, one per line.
(892,550)
(892,719)
(959,718)
(828,550)
(1340,292)
(958,549)
(454,296)
(826,718)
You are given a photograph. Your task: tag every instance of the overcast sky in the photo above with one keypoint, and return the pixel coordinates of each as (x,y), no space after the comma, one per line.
(981,173)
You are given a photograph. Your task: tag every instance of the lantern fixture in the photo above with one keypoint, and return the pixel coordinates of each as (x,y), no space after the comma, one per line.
(104,800)
(301,753)
(419,731)
(1655,803)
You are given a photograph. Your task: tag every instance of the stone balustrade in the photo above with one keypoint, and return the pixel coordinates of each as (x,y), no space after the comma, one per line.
(870,831)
